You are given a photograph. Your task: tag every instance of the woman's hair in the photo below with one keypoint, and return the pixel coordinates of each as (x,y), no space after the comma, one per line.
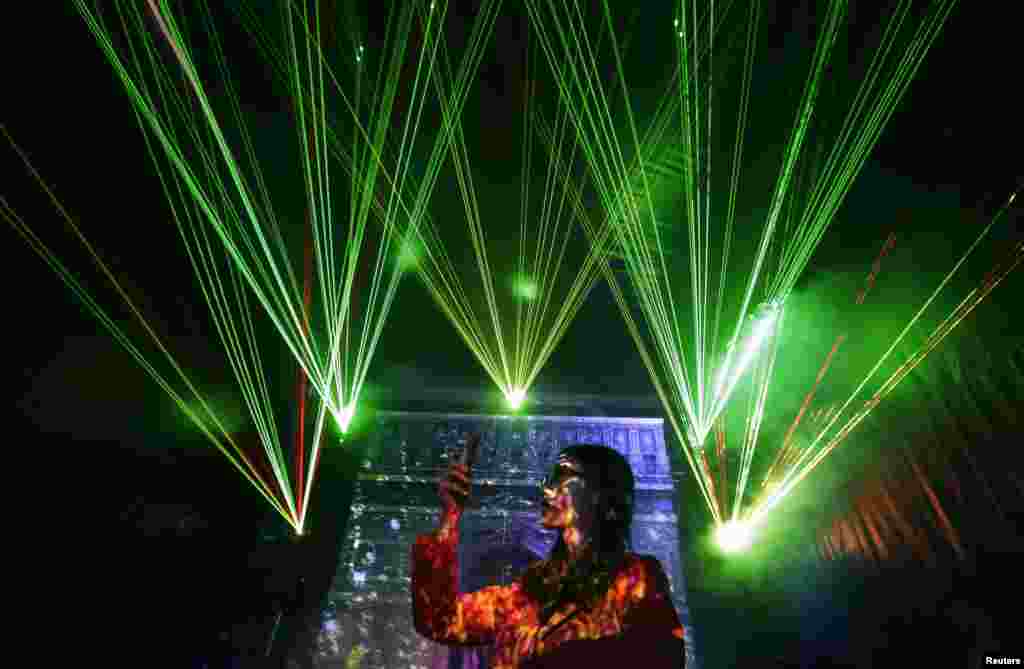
(609,474)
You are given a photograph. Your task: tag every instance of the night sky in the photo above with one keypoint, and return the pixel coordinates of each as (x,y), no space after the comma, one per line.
(103,444)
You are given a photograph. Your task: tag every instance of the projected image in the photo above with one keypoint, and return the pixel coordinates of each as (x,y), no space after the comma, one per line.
(368,619)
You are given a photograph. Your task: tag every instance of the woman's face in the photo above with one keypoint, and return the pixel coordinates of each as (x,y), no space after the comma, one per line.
(566,502)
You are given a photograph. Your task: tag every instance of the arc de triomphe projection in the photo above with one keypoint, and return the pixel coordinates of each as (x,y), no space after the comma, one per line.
(395,499)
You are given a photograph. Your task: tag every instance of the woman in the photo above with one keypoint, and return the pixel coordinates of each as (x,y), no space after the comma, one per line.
(592,603)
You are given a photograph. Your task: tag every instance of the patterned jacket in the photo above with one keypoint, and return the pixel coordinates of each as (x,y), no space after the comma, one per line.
(634,624)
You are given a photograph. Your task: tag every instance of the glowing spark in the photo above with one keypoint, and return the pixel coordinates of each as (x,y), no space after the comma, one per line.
(515,398)
(525,288)
(344,417)
(408,255)
(734,536)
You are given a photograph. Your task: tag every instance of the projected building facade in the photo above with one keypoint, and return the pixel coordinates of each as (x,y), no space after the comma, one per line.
(395,499)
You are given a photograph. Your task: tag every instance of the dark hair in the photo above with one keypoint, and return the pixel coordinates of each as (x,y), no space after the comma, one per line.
(609,474)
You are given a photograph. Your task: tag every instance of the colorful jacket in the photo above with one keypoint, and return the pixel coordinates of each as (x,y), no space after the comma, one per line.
(634,623)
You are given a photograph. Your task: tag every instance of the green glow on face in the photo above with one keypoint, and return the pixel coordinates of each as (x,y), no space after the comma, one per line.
(343,417)
(515,398)
(525,288)
(734,536)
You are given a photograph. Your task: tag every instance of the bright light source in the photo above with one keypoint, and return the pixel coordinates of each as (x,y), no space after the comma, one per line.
(408,255)
(734,536)
(344,417)
(515,398)
(524,288)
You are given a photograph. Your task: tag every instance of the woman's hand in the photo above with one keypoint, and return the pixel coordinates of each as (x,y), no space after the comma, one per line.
(454,488)
(455,485)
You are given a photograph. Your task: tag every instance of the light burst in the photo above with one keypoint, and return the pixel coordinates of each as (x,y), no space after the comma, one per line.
(515,398)
(734,536)
(343,417)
